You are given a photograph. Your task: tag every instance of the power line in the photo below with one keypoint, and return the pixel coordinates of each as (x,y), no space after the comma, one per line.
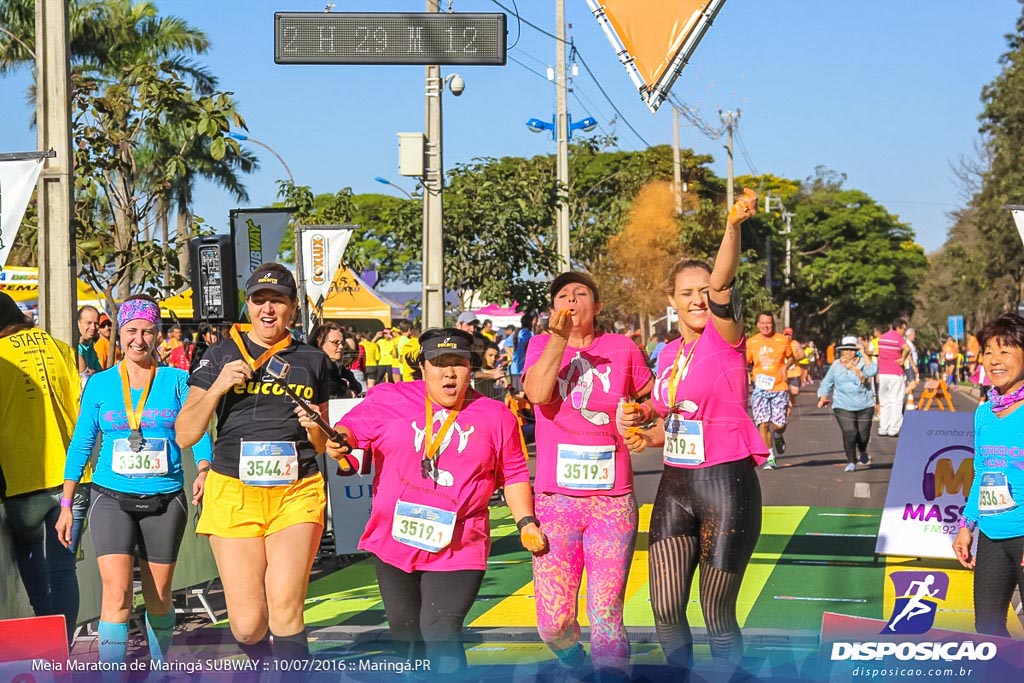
(528,68)
(743,151)
(515,13)
(585,107)
(694,117)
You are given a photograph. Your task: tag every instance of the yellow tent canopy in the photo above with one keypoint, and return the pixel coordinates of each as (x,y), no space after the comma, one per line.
(21,283)
(349,298)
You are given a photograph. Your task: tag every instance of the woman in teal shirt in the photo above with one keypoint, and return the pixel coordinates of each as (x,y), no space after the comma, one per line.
(995,505)
(853,402)
(138,504)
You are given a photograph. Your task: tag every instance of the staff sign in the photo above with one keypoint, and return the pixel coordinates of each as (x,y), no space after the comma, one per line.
(389,38)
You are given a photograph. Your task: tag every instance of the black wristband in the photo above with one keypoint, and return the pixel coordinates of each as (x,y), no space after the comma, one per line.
(528,519)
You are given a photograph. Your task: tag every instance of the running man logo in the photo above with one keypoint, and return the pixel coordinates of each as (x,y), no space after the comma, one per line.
(318,268)
(917,598)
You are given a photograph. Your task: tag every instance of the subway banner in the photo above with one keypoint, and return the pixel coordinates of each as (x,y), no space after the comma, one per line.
(654,40)
(17,181)
(321,248)
(257,235)
(931,478)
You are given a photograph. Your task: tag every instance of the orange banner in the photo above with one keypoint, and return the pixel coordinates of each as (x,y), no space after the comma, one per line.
(655,38)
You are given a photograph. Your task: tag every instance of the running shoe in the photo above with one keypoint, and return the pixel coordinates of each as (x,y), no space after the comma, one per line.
(851,467)
(771,464)
(780,444)
(865,459)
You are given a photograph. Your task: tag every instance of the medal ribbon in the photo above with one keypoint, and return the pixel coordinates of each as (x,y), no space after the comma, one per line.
(257,363)
(679,373)
(432,442)
(135,412)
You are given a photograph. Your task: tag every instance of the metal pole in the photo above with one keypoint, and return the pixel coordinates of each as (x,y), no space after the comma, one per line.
(562,137)
(729,119)
(433,207)
(677,170)
(788,217)
(55,195)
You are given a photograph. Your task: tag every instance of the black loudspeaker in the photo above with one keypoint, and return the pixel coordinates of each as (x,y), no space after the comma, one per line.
(214,285)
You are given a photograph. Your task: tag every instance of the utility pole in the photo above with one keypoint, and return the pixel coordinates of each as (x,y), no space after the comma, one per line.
(562,138)
(433,195)
(55,194)
(729,118)
(771,202)
(677,170)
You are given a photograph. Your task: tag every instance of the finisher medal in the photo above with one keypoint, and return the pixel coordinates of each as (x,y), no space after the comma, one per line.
(135,440)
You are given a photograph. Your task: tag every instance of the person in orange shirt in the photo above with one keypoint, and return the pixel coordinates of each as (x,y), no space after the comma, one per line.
(771,356)
(972,354)
(102,344)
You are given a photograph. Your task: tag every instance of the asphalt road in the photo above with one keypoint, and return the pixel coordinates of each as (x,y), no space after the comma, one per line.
(811,471)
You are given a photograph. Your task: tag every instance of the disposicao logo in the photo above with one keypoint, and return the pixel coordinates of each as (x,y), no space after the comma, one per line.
(917,599)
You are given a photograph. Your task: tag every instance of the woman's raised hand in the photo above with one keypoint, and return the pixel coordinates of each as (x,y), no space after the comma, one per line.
(744,208)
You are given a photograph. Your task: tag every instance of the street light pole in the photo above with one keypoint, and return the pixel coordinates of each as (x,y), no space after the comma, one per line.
(562,138)
(244,137)
(385,181)
(433,208)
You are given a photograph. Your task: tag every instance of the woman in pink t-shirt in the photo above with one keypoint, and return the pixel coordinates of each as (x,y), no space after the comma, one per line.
(575,378)
(440,450)
(707,511)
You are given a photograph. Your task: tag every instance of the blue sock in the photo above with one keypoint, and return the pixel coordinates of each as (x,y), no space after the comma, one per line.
(113,642)
(571,657)
(159,631)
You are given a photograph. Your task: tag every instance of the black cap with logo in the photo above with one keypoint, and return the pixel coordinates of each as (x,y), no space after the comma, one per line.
(274,277)
(441,341)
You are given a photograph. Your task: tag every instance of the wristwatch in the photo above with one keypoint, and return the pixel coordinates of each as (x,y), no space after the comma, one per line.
(528,519)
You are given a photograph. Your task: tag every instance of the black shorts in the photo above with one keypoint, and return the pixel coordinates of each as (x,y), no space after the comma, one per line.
(157,535)
(720,505)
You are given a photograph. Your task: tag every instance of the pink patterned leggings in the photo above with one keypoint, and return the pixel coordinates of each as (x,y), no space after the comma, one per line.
(593,532)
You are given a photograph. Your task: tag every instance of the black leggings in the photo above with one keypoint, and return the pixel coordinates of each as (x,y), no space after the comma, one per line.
(996,573)
(712,517)
(428,609)
(856,428)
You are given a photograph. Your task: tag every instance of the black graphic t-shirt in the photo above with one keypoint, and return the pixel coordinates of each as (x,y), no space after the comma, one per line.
(259,410)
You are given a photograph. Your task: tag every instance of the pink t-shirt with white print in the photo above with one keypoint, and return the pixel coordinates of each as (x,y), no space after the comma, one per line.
(715,388)
(480,453)
(579,450)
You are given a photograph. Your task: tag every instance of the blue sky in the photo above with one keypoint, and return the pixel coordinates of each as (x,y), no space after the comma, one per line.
(885,91)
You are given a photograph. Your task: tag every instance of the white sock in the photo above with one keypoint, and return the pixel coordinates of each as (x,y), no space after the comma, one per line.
(771,452)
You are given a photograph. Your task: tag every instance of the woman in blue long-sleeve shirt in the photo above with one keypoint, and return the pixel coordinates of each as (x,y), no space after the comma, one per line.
(138,504)
(995,505)
(853,401)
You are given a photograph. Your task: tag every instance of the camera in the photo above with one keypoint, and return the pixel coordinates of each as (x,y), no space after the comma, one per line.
(277,368)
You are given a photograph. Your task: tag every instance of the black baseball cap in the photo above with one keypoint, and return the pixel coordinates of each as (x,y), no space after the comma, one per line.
(447,340)
(274,277)
(574,276)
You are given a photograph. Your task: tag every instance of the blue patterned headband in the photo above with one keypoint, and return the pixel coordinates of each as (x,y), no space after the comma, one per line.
(138,309)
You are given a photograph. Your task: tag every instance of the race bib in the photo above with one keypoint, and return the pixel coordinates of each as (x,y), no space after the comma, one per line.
(994,495)
(150,461)
(684,441)
(590,468)
(422,526)
(764,382)
(268,463)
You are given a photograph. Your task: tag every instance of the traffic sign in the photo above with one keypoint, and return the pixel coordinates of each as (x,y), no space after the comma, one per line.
(955,326)
(389,38)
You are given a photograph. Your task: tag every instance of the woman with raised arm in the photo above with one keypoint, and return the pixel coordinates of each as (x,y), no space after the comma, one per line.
(707,511)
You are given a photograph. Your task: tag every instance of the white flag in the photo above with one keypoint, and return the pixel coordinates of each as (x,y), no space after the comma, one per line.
(323,247)
(1018,219)
(17,180)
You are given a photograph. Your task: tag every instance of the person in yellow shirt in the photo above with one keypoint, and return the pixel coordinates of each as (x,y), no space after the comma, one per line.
(39,394)
(371,357)
(385,340)
(410,352)
(487,330)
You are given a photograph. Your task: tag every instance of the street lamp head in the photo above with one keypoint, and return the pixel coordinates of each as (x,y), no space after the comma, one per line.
(455,84)
(538,126)
(237,136)
(382,181)
(587,124)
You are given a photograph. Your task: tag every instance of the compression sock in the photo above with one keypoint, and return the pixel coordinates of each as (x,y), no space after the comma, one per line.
(291,647)
(571,657)
(159,631)
(113,641)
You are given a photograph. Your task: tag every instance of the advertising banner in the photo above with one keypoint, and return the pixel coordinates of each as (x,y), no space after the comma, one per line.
(17,181)
(257,235)
(322,248)
(654,40)
(931,478)
(350,498)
